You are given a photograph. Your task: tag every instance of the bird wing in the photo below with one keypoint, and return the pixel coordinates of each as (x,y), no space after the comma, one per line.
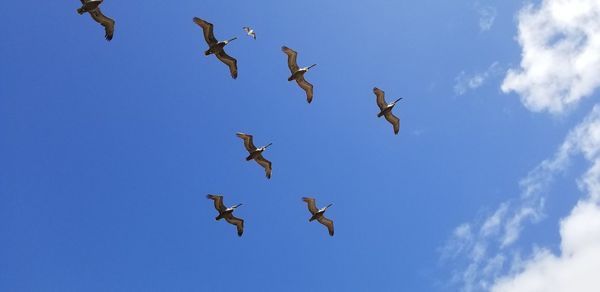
(247,142)
(229,61)
(380,98)
(239,223)
(312,207)
(291,58)
(264,163)
(207,29)
(107,22)
(395,121)
(218,200)
(306,86)
(328,223)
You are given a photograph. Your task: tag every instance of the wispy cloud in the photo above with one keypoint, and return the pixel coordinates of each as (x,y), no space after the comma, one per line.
(487,16)
(484,250)
(560,65)
(465,82)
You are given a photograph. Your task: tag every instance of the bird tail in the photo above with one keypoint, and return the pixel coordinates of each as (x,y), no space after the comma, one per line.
(380,114)
(291,78)
(80,10)
(207,52)
(249,158)
(219,217)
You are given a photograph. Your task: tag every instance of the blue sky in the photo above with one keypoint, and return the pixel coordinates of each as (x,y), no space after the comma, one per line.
(109,149)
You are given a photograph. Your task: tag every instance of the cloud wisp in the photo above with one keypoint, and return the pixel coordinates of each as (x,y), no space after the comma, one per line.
(465,82)
(491,262)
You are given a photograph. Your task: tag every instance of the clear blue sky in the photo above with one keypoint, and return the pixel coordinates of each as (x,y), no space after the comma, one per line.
(107,150)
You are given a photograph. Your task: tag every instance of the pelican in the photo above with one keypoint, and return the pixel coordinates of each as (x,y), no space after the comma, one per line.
(217,48)
(317,214)
(93,8)
(256,153)
(386,109)
(298,73)
(227,213)
(250,31)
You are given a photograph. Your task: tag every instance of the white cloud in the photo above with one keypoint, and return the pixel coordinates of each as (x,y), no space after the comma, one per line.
(465,82)
(485,250)
(560,63)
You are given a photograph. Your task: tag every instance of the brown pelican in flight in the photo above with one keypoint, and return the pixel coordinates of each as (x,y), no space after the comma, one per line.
(317,214)
(386,109)
(217,47)
(227,213)
(250,31)
(256,153)
(298,73)
(93,8)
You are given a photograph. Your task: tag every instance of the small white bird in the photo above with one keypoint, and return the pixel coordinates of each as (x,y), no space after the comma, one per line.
(249,31)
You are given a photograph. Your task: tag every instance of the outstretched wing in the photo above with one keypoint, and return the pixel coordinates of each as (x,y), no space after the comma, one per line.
(229,61)
(395,121)
(247,141)
(312,207)
(380,98)
(239,223)
(308,88)
(264,163)
(207,29)
(291,58)
(218,200)
(107,22)
(328,223)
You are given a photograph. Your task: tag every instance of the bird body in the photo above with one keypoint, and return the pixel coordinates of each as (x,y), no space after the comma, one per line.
(217,47)
(318,214)
(385,109)
(93,8)
(298,73)
(255,153)
(227,213)
(249,31)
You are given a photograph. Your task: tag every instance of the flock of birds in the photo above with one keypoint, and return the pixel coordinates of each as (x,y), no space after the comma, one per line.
(217,48)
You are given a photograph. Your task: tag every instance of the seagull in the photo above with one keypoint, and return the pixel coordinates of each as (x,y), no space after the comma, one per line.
(386,109)
(256,153)
(298,73)
(317,214)
(249,31)
(93,8)
(217,47)
(227,213)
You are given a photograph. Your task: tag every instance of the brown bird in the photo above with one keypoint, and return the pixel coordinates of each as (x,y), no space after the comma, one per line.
(317,214)
(227,213)
(256,153)
(217,47)
(93,8)
(386,109)
(298,73)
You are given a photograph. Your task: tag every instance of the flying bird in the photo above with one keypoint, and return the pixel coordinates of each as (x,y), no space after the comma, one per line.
(256,153)
(249,31)
(227,213)
(298,73)
(386,109)
(93,8)
(217,47)
(317,214)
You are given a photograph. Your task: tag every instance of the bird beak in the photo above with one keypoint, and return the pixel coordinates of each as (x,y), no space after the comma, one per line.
(329,205)
(397,100)
(312,66)
(238,205)
(233,39)
(268,145)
